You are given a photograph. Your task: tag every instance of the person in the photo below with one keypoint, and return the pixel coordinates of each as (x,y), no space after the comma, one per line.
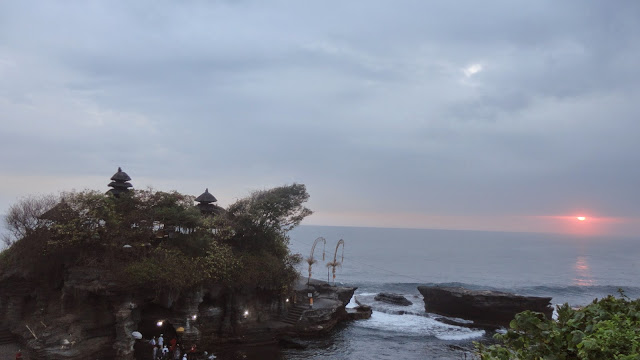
(192,352)
(176,353)
(184,357)
(165,352)
(19,355)
(155,349)
(160,340)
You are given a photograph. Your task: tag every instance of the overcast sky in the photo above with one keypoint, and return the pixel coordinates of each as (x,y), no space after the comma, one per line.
(501,115)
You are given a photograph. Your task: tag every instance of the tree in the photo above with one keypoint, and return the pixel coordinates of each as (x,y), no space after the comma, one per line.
(257,227)
(146,237)
(280,208)
(23,217)
(262,220)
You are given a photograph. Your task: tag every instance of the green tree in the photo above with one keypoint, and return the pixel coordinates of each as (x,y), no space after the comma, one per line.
(280,208)
(258,226)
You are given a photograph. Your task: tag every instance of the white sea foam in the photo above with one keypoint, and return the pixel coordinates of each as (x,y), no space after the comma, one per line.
(417,326)
(461,336)
(352,303)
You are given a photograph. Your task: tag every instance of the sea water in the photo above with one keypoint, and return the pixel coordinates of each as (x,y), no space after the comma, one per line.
(567,268)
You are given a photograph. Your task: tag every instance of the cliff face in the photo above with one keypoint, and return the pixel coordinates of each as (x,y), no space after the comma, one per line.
(328,307)
(86,314)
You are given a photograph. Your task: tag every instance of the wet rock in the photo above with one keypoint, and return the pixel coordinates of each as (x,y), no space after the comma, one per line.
(291,343)
(485,308)
(395,299)
(360,312)
(329,306)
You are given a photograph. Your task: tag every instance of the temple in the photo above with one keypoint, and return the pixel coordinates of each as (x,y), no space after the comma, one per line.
(120,183)
(206,200)
(59,213)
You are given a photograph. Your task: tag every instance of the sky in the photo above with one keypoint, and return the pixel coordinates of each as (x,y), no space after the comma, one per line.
(494,115)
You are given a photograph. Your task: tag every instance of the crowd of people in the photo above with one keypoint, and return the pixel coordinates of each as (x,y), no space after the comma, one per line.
(159,349)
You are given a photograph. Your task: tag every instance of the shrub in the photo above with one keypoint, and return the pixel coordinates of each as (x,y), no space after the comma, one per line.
(605,329)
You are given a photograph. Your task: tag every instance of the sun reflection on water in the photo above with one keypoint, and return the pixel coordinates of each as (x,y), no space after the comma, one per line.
(582,272)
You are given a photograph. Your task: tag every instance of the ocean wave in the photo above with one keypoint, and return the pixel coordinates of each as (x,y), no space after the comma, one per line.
(459,336)
(415,325)
(572,294)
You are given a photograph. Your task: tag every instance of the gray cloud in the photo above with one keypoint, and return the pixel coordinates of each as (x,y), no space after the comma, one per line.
(366,102)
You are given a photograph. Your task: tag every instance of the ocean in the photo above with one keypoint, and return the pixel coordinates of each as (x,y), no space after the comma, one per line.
(567,268)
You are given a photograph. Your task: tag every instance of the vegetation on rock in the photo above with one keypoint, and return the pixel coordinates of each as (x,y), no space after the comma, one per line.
(608,328)
(159,240)
(23,217)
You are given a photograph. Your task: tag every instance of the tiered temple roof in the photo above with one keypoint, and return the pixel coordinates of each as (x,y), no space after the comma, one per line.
(206,200)
(120,183)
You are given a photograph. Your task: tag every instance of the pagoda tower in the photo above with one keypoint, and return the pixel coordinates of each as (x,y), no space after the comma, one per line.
(120,183)
(206,201)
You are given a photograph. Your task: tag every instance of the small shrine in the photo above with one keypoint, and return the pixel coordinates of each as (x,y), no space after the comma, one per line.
(206,202)
(119,183)
(59,213)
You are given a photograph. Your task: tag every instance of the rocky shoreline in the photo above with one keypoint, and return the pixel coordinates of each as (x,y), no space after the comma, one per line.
(87,314)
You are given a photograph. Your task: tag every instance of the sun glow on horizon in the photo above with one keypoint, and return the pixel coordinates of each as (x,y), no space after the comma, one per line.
(594,224)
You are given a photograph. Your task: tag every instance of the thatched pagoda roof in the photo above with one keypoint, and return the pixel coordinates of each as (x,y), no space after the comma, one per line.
(119,183)
(120,176)
(206,197)
(114,184)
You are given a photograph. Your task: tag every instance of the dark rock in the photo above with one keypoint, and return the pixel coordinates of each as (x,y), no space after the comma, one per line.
(291,343)
(394,299)
(329,307)
(485,308)
(360,312)
(92,315)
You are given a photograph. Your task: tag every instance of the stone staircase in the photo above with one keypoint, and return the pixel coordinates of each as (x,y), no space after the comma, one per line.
(294,314)
(6,337)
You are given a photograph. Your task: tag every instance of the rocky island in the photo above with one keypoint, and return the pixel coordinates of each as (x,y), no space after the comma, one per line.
(488,309)
(394,299)
(85,274)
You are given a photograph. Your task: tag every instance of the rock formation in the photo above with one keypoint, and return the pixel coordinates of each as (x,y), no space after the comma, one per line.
(395,299)
(328,308)
(86,314)
(485,308)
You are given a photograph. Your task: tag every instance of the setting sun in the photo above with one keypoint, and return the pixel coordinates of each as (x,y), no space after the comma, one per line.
(581,218)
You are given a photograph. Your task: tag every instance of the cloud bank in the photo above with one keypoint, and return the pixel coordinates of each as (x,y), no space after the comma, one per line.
(462,110)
